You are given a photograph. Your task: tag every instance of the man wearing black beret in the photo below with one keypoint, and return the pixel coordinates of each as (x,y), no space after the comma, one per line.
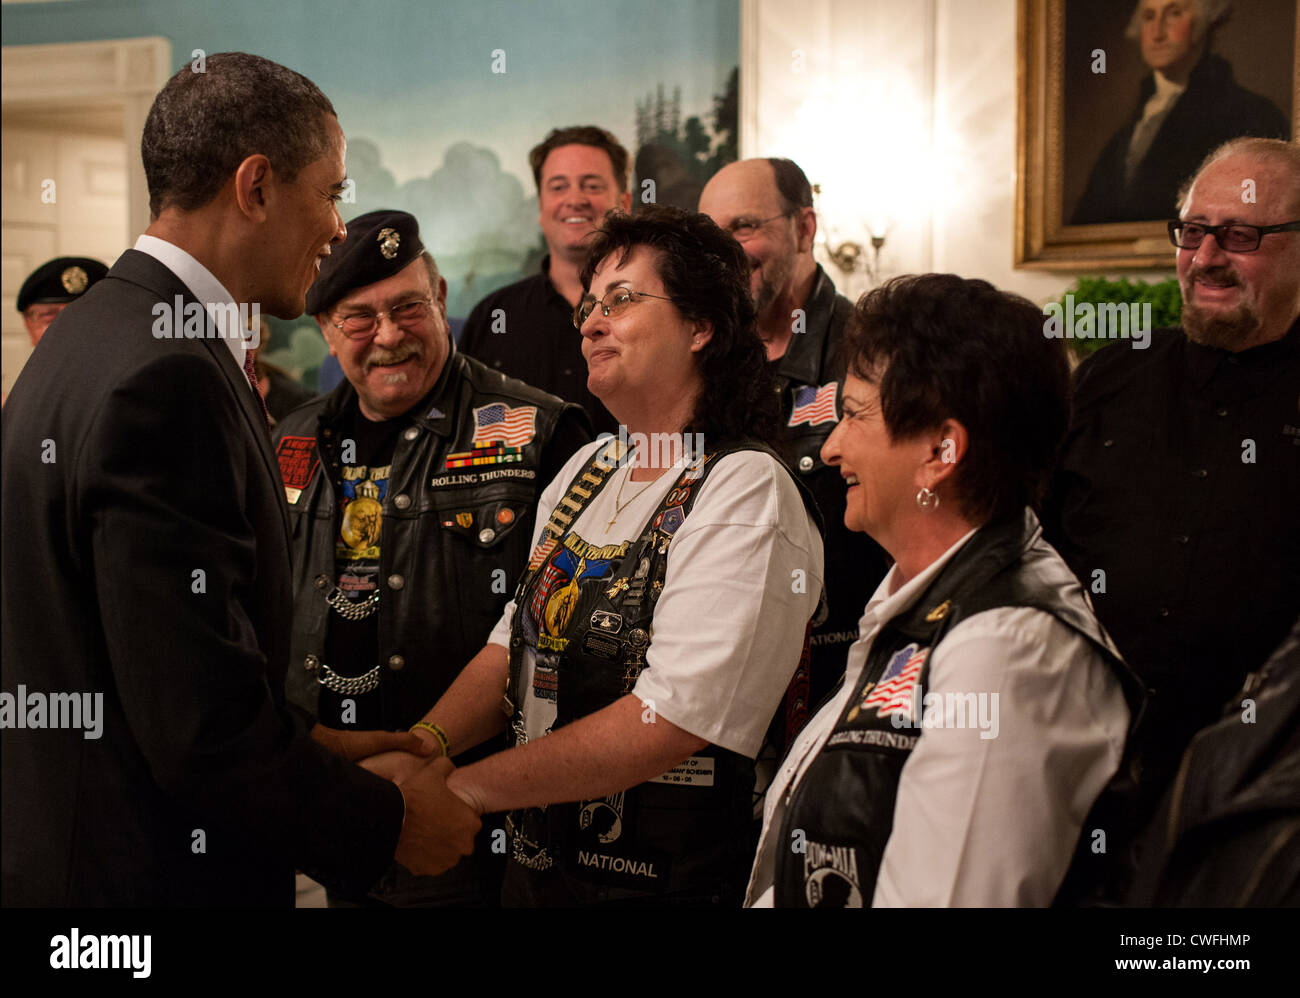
(412,488)
(51,287)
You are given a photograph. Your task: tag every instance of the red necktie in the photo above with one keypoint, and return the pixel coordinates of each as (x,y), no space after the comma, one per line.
(251,372)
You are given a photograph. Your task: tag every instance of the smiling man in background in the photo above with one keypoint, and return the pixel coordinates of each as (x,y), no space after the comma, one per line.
(1174,500)
(766,204)
(526,330)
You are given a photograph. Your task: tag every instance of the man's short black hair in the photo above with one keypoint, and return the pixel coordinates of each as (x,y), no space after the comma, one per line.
(943,347)
(791,183)
(581,135)
(204,123)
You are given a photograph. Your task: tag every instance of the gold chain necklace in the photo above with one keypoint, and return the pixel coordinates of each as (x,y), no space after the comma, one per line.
(619,507)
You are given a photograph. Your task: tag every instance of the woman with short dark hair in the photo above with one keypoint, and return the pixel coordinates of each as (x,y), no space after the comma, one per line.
(666,603)
(981,711)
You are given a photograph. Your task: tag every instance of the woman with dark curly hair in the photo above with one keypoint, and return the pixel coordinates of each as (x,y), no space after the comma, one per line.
(982,709)
(665,606)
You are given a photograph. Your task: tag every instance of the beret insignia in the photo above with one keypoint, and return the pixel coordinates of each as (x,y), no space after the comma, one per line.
(74,280)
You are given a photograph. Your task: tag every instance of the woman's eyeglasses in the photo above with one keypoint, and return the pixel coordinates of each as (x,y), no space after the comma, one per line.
(614,302)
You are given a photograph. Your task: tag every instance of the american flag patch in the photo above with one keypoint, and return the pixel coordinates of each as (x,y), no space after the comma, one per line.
(541,553)
(499,423)
(814,405)
(892,693)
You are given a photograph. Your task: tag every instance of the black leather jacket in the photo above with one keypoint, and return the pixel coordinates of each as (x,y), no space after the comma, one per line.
(453,540)
(855,563)
(1228,832)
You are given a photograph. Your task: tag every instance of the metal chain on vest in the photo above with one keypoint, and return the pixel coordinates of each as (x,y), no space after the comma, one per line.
(349,610)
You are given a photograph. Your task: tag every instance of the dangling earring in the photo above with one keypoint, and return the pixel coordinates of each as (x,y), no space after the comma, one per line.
(927,500)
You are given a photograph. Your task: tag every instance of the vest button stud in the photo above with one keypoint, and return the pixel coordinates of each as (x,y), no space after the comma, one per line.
(396,663)
(805,463)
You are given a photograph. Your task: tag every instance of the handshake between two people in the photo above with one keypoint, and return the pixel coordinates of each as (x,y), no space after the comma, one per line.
(440,825)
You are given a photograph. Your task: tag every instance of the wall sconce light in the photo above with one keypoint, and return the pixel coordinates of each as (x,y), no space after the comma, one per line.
(850,255)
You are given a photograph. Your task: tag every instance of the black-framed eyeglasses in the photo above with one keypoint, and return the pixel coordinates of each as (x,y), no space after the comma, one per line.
(743,228)
(618,299)
(1232,237)
(364,324)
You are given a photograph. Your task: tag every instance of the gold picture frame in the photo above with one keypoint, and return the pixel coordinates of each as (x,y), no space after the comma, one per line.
(1043,239)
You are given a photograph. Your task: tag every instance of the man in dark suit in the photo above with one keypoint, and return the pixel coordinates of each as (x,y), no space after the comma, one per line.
(148,755)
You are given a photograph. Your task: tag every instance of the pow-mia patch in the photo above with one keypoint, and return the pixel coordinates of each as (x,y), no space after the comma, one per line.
(298,463)
(830,876)
(601,855)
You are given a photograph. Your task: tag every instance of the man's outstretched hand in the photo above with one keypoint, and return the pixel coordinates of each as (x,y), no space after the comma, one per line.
(439,826)
(397,766)
(357,745)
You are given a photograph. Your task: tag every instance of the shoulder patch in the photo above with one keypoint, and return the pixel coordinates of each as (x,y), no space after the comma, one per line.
(498,423)
(813,405)
(298,461)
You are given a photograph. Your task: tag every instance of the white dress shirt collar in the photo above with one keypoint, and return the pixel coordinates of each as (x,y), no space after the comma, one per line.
(886,603)
(205,288)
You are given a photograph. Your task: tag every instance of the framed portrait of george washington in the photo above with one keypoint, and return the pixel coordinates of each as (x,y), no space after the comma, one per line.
(1118,103)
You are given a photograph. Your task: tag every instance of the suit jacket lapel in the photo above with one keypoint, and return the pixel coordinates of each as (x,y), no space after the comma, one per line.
(143,270)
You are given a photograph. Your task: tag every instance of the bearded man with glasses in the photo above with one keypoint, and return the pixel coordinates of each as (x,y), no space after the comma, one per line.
(411,488)
(1175,498)
(767,206)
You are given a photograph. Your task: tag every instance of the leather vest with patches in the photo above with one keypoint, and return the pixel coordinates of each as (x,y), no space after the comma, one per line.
(840,815)
(587,611)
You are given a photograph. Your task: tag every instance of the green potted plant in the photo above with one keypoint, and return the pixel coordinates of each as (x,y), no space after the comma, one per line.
(1080,316)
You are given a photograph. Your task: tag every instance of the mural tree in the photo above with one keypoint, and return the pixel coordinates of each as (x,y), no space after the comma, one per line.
(679,157)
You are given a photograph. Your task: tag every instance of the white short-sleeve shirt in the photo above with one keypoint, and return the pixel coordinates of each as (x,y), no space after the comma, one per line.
(744,573)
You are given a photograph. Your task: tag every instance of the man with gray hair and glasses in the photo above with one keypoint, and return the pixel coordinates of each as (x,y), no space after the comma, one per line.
(411,489)
(767,205)
(1175,498)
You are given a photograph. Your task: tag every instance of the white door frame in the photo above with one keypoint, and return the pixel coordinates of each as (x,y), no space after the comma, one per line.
(125,73)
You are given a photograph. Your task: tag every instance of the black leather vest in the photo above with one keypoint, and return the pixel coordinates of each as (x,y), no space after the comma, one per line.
(443,522)
(841,813)
(588,613)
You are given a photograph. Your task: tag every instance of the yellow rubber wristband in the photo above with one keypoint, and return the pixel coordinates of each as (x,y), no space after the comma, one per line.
(437,733)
